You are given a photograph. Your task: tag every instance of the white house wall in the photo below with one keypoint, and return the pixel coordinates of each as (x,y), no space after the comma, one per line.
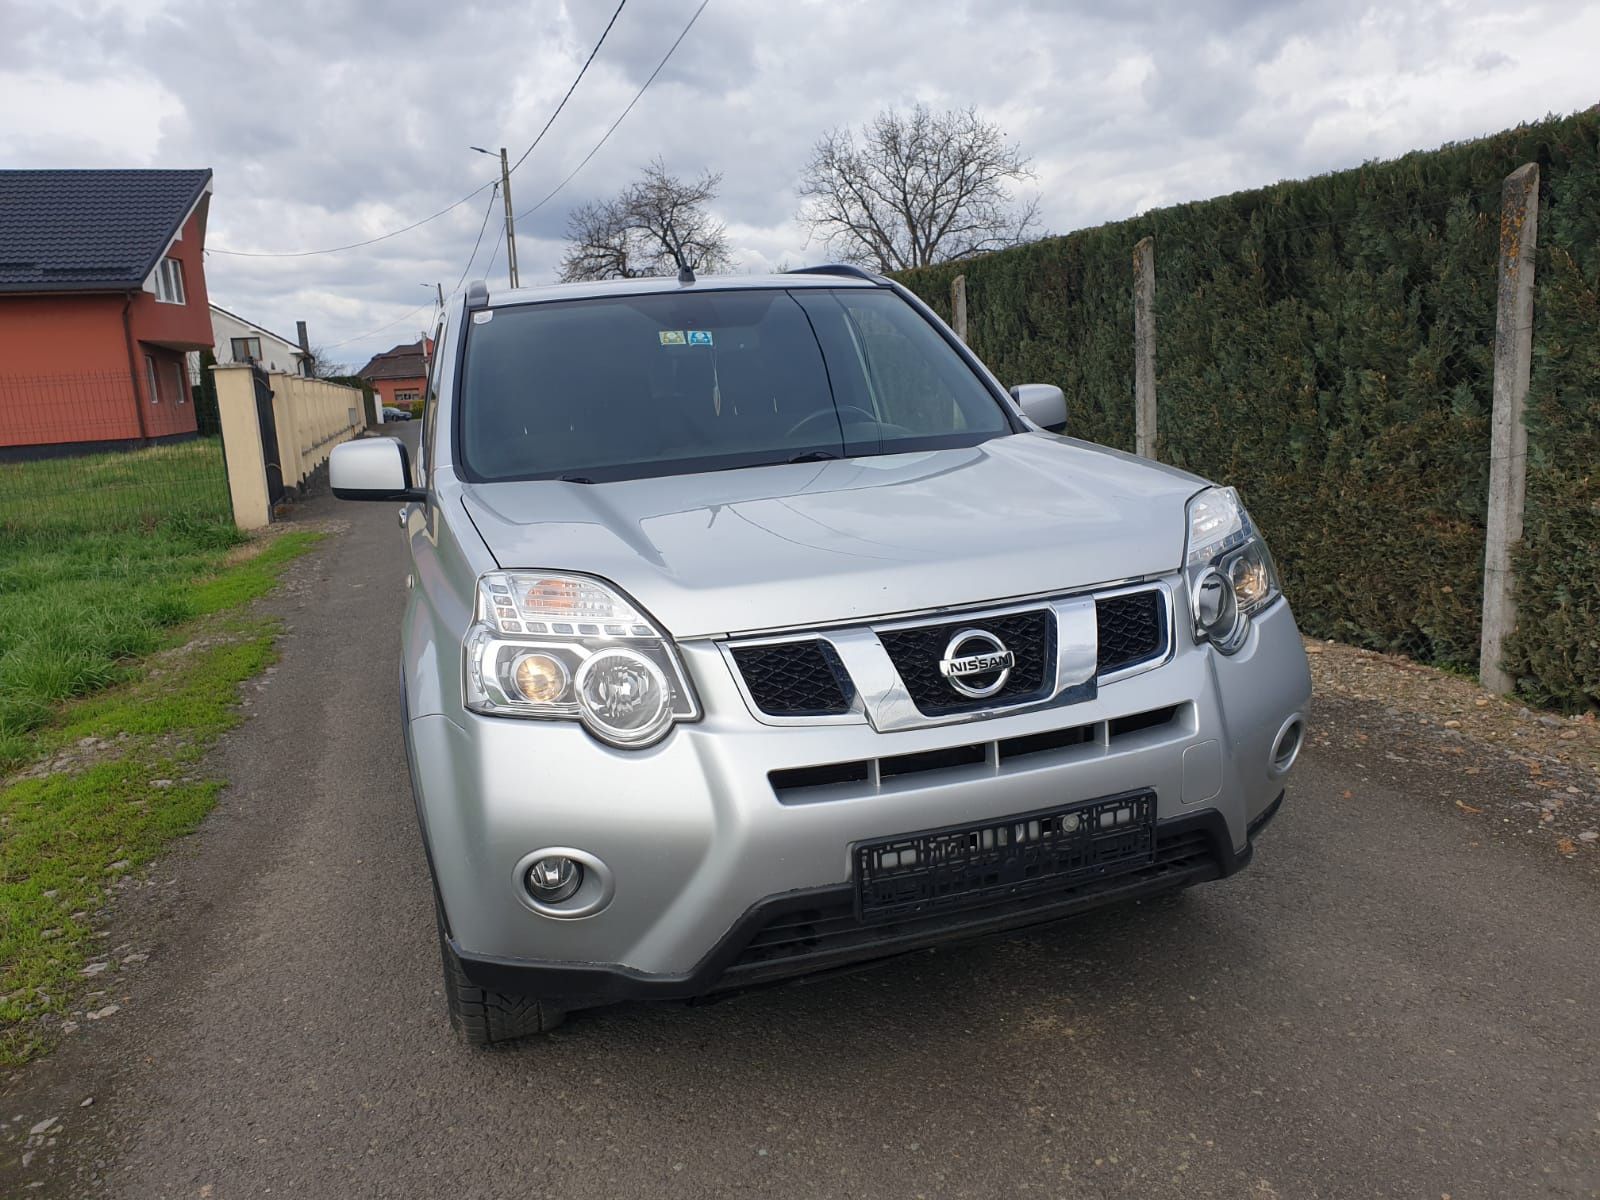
(277,354)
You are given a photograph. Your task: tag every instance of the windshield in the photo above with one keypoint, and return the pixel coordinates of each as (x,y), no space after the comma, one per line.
(669,383)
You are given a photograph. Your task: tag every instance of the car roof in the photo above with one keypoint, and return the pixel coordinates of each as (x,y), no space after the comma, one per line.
(668,283)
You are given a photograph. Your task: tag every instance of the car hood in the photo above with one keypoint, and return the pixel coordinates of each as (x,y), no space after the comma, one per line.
(833,542)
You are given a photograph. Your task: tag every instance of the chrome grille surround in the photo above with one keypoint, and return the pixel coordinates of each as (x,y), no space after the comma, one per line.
(880,697)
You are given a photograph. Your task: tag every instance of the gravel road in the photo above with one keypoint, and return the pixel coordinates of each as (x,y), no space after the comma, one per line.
(1397,999)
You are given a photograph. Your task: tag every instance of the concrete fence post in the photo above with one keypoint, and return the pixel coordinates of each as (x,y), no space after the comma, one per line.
(1144,348)
(958,306)
(241,444)
(1508,437)
(286,416)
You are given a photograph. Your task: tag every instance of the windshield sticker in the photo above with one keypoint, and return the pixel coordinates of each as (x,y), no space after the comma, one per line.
(482,318)
(672,337)
(699,337)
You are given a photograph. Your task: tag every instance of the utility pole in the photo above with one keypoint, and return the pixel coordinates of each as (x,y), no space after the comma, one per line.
(511,233)
(505,194)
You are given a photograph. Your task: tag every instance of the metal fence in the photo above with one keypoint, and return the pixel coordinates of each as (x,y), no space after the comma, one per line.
(77,456)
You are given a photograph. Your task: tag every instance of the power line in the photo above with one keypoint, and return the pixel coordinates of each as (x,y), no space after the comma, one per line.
(465,270)
(612,128)
(603,138)
(500,240)
(381,328)
(488,267)
(476,244)
(573,88)
(382,237)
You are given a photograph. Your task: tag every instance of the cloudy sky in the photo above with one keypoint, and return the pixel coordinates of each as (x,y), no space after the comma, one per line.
(332,122)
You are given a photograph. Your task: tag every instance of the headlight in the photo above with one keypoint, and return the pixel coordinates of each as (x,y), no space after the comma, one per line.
(1228,567)
(563,647)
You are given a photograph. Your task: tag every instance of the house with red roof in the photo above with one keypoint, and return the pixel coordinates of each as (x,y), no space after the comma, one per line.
(102,293)
(399,374)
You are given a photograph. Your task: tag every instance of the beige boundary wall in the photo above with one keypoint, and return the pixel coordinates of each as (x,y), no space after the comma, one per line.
(312,416)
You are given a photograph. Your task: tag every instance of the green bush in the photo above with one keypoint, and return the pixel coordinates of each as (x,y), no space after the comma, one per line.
(207,420)
(1327,346)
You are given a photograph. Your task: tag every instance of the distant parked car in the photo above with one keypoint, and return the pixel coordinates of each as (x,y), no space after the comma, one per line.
(395,414)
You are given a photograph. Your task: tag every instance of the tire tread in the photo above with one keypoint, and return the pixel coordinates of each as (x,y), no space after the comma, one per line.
(484,1018)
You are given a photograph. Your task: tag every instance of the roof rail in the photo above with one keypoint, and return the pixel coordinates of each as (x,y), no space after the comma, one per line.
(849,269)
(478,294)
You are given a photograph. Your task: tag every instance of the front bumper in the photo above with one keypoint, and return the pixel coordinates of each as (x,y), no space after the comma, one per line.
(706,855)
(815,932)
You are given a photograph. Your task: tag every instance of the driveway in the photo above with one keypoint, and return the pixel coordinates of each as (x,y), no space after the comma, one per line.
(1393,1001)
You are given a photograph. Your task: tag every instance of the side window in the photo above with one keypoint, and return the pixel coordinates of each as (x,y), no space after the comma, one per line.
(152,379)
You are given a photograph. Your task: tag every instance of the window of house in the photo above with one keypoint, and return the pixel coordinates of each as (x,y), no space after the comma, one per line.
(169,281)
(152,381)
(410,397)
(180,376)
(246,349)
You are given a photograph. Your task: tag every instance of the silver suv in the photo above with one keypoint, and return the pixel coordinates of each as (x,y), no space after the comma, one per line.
(755,630)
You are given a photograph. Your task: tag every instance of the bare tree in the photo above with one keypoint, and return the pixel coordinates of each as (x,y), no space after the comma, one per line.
(656,226)
(325,366)
(919,188)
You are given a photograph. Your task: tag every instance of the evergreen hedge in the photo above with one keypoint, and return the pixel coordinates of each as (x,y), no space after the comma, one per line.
(208,421)
(1327,346)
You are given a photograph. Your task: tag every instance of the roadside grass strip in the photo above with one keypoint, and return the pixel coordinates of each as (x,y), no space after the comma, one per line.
(75,611)
(124,489)
(100,783)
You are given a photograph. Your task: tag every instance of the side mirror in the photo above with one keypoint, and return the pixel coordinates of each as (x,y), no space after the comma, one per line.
(1043,404)
(372,469)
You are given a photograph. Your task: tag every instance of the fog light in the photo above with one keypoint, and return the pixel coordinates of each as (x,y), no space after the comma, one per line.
(1286,746)
(552,880)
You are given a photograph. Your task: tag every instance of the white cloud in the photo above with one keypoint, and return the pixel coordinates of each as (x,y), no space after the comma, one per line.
(105,121)
(327,121)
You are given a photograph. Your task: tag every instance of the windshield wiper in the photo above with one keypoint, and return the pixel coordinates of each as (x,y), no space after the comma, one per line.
(575,479)
(814,456)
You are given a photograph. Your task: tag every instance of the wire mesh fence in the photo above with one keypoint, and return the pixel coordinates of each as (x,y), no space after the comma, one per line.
(76,457)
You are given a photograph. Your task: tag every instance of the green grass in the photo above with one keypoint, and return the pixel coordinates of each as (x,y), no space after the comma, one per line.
(135,490)
(122,644)
(93,574)
(116,776)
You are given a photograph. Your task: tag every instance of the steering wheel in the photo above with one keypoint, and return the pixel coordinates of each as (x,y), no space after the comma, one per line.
(832,414)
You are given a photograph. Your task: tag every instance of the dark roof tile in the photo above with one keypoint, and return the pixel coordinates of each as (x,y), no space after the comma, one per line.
(88,230)
(400,362)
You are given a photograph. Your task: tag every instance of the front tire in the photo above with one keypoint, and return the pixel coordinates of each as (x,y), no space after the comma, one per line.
(483,1018)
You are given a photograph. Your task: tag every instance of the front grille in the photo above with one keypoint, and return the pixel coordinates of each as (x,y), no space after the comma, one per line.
(1030,636)
(1132,629)
(798,785)
(795,679)
(816,937)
